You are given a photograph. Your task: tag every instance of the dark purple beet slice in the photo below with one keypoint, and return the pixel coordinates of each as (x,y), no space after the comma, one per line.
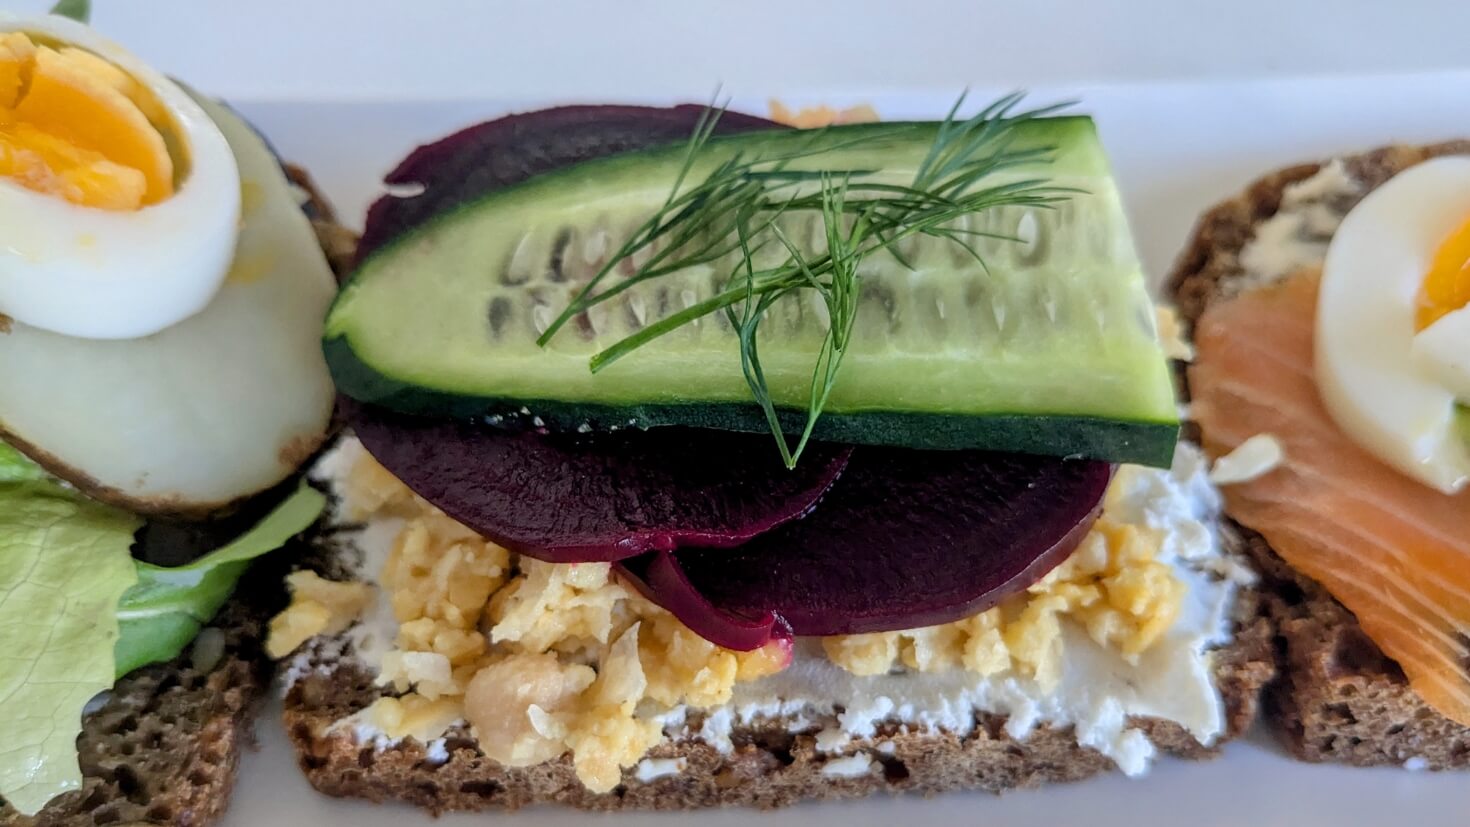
(490,156)
(904,539)
(659,577)
(567,498)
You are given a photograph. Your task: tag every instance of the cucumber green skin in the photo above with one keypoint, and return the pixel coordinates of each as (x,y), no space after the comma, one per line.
(1144,436)
(1462,421)
(1081,437)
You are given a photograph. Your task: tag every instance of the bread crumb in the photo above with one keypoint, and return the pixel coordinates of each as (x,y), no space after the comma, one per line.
(1252,459)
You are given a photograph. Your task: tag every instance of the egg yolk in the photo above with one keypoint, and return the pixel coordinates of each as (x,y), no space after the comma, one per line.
(75,126)
(1446,286)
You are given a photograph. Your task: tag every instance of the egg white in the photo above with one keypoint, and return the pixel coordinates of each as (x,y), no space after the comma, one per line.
(1379,380)
(1442,350)
(102,274)
(209,411)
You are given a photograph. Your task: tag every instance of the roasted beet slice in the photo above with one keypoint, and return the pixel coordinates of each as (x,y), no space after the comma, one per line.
(658,573)
(490,156)
(568,498)
(904,539)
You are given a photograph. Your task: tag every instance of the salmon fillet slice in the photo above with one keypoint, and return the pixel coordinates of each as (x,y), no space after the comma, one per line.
(1395,552)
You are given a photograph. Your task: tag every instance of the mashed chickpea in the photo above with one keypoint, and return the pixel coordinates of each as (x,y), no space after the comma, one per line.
(543,659)
(539,659)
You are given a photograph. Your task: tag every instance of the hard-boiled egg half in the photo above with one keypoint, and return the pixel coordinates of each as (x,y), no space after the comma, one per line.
(1393,323)
(162,292)
(1442,317)
(119,197)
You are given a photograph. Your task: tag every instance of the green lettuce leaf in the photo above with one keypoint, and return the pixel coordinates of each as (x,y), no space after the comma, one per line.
(64,563)
(167,607)
(77,612)
(17,467)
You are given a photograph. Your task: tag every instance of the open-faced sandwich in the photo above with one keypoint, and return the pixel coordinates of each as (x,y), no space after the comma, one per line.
(161,384)
(574,565)
(1331,305)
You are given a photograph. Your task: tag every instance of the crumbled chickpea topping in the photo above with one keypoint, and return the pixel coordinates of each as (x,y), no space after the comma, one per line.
(1171,334)
(318,607)
(539,659)
(413,716)
(1114,585)
(812,117)
(546,659)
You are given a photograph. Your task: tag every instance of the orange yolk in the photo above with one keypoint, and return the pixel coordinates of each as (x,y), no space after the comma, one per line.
(74,126)
(1446,286)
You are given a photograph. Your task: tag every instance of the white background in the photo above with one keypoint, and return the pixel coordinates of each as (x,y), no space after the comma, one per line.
(413,49)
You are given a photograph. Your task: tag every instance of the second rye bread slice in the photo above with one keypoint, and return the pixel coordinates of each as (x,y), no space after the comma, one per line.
(1339,698)
(774,762)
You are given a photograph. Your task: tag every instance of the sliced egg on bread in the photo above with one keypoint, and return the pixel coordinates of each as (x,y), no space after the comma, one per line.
(1393,322)
(224,400)
(119,196)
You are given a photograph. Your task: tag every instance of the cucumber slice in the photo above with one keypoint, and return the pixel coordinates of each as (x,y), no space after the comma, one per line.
(1049,348)
(1462,422)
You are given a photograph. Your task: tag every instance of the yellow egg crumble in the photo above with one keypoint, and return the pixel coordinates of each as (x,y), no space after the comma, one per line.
(812,117)
(540,659)
(318,607)
(546,659)
(1113,585)
(1171,334)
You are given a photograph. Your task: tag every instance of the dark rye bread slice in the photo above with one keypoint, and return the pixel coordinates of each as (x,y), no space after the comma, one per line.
(769,767)
(1339,698)
(163,747)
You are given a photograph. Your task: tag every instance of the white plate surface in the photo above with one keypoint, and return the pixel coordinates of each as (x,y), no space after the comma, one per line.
(1177,149)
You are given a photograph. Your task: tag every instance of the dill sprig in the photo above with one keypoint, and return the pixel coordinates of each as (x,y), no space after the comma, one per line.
(735,207)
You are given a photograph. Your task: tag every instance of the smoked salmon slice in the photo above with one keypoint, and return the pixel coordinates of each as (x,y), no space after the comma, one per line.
(1395,552)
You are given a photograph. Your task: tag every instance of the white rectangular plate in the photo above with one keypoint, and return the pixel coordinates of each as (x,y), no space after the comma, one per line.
(1177,148)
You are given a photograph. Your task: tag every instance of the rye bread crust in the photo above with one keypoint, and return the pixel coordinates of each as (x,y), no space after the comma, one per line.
(1339,698)
(770,767)
(164,747)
